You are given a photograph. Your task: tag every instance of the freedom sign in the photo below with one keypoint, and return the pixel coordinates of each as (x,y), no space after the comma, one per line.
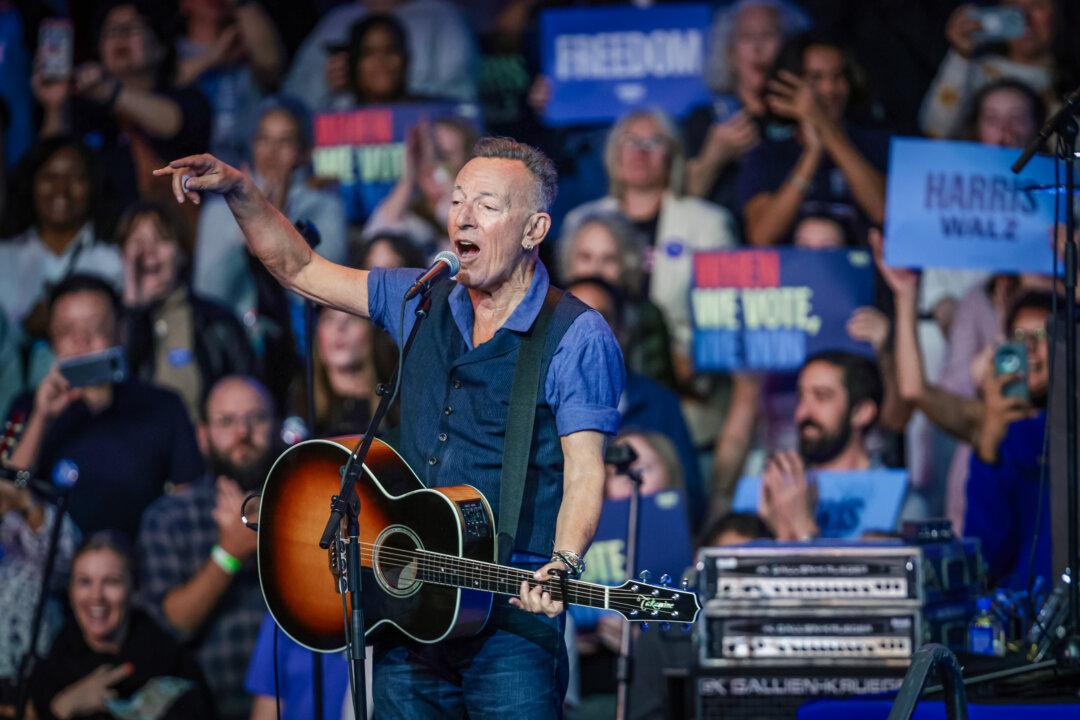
(364,149)
(849,502)
(768,309)
(958,205)
(602,62)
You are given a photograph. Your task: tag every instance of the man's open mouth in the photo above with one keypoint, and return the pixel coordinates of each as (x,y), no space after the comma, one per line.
(466,249)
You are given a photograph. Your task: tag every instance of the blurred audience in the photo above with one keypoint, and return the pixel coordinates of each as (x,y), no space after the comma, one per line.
(979,54)
(231,52)
(53,229)
(25,525)
(281,670)
(824,163)
(227,272)
(175,339)
(646,405)
(124,106)
(196,556)
(419,204)
(840,397)
(127,439)
(745,40)
(345,374)
(645,166)
(607,245)
(440,50)
(111,653)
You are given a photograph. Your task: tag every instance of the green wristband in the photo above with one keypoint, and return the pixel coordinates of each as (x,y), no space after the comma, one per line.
(224,560)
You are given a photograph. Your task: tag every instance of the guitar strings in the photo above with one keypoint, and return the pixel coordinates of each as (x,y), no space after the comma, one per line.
(443,564)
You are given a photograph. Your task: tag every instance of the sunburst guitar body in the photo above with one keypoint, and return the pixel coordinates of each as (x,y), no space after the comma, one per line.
(427,555)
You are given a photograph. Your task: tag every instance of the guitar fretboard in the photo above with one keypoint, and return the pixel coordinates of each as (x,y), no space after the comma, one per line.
(465,573)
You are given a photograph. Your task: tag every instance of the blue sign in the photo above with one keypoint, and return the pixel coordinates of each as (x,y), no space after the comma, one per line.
(768,309)
(849,502)
(602,62)
(663,544)
(364,149)
(958,205)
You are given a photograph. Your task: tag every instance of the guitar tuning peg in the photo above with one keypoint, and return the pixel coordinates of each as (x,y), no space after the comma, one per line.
(686,583)
(665,580)
(644,627)
(665,626)
(645,575)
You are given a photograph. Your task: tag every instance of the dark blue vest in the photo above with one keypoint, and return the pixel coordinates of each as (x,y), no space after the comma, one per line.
(454,405)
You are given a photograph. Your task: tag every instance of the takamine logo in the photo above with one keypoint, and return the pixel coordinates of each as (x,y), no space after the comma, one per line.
(654,604)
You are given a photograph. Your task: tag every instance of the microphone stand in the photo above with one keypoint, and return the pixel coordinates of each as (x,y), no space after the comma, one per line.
(346,505)
(310,233)
(624,670)
(30,658)
(1064,123)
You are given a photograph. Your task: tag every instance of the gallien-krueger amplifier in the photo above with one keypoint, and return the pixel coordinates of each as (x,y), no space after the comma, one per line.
(747,634)
(832,571)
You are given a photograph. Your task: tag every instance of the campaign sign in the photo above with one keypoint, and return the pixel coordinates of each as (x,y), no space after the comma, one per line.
(958,205)
(364,149)
(663,544)
(768,309)
(602,62)
(849,502)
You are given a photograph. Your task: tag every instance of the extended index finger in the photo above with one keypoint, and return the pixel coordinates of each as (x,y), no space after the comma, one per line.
(118,673)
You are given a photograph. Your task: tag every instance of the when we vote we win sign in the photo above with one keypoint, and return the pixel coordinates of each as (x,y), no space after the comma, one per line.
(958,205)
(769,309)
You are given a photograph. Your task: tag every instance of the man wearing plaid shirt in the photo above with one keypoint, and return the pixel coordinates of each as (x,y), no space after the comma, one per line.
(197,558)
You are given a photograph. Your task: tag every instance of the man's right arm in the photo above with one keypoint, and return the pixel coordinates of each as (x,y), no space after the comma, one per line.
(270,235)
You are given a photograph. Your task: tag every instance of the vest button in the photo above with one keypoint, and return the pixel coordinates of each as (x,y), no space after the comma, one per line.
(433,460)
(448,410)
(442,437)
(456,384)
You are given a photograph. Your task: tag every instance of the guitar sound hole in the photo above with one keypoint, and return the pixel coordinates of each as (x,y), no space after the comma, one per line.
(396,561)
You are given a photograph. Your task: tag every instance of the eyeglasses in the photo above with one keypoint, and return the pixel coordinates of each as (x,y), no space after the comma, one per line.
(656,143)
(254,419)
(1030,337)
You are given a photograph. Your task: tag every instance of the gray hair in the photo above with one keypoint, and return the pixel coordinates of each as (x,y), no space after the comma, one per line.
(676,153)
(537,163)
(628,238)
(718,75)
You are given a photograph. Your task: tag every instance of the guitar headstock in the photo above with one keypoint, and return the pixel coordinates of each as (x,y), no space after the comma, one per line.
(639,601)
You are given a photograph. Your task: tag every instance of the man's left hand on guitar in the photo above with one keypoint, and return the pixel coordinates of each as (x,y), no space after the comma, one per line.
(535,598)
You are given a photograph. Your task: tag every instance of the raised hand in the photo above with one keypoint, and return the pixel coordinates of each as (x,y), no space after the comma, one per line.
(201,173)
(88,695)
(904,283)
(236,538)
(54,394)
(731,138)
(999,411)
(788,499)
(869,325)
(961,28)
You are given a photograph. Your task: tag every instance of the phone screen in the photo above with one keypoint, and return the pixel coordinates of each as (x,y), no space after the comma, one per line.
(55,48)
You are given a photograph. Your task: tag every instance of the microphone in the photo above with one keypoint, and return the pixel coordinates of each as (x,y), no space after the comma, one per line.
(620,455)
(309,232)
(444,262)
(1069,106)
(65,475)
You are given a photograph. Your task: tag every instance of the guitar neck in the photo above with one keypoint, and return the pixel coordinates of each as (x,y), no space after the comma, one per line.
(504,580)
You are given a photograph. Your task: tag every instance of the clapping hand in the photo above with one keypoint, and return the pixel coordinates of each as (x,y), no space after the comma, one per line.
(88,695)
(787,499)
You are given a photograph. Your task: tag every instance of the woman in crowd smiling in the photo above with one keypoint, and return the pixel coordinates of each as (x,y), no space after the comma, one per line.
(111,651)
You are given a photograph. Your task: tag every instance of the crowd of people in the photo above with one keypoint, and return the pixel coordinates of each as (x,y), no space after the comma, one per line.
(155,587)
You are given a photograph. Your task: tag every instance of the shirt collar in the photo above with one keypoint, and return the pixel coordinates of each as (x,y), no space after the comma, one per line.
(85,237)
(520,320)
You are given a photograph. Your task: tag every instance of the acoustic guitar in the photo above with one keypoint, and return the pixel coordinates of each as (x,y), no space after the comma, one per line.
(427,555)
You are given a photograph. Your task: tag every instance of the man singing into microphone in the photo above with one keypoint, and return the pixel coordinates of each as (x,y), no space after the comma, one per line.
(455,394)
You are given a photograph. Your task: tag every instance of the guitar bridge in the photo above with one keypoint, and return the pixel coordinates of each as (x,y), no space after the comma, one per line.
(336,555)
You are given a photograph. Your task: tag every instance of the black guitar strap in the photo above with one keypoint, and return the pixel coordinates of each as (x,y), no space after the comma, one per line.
(520,421)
